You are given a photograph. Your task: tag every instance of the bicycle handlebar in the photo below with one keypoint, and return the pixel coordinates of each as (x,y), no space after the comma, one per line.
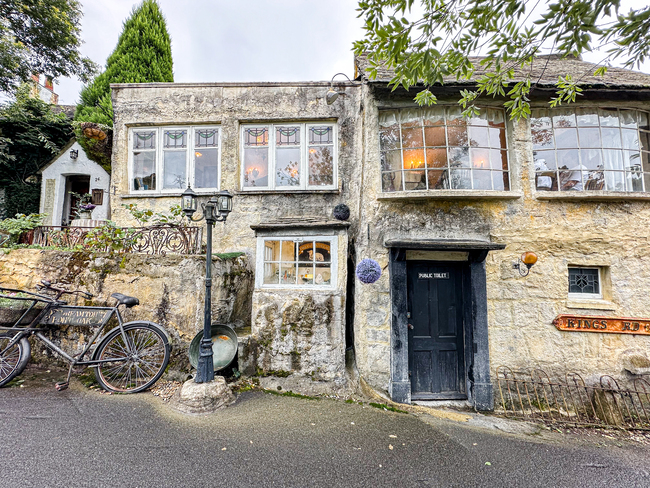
(62,291)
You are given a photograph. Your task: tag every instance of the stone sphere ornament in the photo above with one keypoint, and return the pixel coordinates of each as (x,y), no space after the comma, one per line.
(368,271)
(341,212)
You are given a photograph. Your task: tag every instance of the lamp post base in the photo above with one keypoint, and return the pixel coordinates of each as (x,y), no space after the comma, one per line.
(205,367)
(204,398)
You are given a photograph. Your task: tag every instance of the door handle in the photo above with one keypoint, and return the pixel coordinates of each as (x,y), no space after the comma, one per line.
(410,326)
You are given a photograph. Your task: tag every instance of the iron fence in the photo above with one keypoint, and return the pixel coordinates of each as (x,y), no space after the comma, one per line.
(157,239)
(533,396)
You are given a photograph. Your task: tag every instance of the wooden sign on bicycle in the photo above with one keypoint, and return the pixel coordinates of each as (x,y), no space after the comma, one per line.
(77,316)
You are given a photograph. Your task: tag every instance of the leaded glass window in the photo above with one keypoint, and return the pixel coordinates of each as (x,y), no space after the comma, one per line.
(183,155)
(298,262)
(584,149)
(438,149)
(295,156)
(584,282)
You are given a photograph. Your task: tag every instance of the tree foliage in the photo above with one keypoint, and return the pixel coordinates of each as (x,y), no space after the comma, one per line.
(143,54)
(30,136)
(40,36)
(509,33)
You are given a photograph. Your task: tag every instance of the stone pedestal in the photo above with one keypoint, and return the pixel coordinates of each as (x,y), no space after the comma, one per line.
(203,398)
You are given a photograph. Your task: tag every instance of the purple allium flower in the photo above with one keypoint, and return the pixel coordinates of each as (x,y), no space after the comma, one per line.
(87,206)
(341,212)
(368,271)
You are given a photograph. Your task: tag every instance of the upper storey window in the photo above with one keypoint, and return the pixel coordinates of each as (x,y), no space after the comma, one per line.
(289,156)
(436,148)
(167,159)
(582,149)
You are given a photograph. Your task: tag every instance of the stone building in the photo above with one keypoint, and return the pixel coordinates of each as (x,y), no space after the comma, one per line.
(445,205)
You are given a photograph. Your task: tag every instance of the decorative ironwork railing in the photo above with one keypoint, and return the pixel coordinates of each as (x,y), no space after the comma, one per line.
(533,396)
(157,239)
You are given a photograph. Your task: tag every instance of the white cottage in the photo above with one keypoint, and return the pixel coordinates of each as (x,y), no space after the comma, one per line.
(72,171)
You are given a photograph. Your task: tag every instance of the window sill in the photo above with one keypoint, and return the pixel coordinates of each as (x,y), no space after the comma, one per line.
(286,192)
(593,195)
(590,304)
(450,195)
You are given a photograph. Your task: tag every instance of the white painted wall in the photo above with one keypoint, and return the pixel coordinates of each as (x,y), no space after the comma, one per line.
(65,166)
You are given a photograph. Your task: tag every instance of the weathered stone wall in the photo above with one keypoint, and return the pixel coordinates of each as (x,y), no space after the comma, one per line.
(292,330)
(575,230)
(171,289)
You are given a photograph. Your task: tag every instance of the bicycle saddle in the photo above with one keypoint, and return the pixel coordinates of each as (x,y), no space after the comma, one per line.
(125,300)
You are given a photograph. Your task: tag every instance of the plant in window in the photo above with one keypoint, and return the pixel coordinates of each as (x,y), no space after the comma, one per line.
(368,271)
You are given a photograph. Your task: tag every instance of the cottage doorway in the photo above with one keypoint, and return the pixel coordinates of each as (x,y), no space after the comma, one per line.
(78,184)
(436,330)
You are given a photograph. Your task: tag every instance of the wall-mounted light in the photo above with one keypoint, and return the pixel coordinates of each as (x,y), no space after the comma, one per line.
(332,95)
(74,153)
(528,259)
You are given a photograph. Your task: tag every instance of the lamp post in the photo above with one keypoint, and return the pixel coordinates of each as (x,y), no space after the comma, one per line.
(215,210)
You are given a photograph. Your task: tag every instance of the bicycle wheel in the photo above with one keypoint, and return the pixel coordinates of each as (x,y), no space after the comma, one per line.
(13,359)
(135,363)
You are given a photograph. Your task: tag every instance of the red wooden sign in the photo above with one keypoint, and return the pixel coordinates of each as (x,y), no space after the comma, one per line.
(591,323)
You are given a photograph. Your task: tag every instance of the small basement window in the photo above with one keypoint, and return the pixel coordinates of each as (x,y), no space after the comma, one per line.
(297,262)
(585,283)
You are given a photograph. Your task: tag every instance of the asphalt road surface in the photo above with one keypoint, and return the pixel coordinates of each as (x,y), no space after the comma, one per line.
(81,438)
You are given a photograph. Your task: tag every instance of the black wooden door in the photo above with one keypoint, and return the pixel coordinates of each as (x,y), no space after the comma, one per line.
(436,357)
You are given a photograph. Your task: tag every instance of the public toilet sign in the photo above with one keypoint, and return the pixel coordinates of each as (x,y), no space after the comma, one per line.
(433,276)
(590,323)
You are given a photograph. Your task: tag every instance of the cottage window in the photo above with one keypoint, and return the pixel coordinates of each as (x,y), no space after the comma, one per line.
(166,159)
(293,262)
(583,149)
(289,156)
(585,283)
(438,149)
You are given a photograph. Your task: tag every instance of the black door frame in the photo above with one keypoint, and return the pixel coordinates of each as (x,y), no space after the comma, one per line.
(477,354)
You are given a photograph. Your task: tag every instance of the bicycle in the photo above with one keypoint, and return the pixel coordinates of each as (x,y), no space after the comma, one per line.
(129,358)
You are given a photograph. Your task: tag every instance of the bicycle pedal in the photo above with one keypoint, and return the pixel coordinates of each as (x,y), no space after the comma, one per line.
(61,385)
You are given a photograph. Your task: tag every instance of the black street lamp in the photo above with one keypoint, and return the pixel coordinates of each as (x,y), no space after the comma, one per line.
(216,210)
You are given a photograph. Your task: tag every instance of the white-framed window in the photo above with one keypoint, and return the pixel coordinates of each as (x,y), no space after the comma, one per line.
(166,159)
(308,262)
(588,148)
(585,282)
(438,149)
(289,156)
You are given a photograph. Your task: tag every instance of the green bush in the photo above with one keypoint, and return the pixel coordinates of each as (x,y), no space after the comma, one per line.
(14,228)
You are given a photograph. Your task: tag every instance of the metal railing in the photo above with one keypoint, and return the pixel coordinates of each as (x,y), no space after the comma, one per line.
(157,239)
(533,396)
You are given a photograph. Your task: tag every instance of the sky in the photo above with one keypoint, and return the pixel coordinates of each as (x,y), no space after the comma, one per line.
(236,40)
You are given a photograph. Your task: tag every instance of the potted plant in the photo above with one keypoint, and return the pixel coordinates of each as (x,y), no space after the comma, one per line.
(84,208)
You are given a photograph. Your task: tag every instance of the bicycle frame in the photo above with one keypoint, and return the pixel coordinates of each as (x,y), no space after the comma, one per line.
(59,313)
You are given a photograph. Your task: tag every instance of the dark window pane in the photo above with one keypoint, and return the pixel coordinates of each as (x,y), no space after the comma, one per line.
(438,180)
(205,168)
(435,137)
(436,158)
(412,137)
(457,135)
(144,170)
(584,280)
(500,181)
(321,168)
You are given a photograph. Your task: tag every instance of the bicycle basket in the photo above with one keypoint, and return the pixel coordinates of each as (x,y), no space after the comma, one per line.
(19,308)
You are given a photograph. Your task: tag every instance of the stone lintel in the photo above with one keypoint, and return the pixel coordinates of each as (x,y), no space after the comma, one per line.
(444,244)
(301,224)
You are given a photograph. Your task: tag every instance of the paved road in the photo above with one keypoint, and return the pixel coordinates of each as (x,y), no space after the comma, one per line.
(81,438)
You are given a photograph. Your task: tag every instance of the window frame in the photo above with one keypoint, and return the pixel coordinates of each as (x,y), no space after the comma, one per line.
(580,147)
(159,159)
(470,168)
(586,296)
(261,262)
(304,156)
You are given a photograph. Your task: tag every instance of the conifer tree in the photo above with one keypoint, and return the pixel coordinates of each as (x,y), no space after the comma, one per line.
(143,54)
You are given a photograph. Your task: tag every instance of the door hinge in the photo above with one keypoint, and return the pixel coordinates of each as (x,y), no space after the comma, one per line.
(408,315)
(409,374)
